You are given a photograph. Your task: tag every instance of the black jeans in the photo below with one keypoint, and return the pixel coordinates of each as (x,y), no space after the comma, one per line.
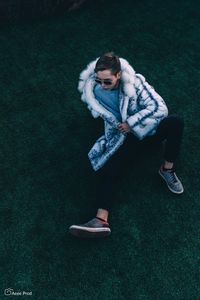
(169,130)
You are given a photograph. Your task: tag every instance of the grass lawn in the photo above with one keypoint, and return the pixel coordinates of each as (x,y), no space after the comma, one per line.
(46,182)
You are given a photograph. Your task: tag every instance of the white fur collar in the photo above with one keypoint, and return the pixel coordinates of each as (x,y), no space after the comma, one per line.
(127,77)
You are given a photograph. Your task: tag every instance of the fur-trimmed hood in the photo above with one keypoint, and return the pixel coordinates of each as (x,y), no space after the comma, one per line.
(87,83)
(127,77)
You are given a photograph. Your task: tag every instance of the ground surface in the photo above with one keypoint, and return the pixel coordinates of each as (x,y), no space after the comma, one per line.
(46,132)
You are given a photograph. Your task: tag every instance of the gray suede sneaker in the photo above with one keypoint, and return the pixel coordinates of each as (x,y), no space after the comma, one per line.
(172,181)
(95,228)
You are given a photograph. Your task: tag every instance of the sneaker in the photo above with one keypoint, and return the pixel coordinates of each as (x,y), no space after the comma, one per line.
(95,228)
(172,181)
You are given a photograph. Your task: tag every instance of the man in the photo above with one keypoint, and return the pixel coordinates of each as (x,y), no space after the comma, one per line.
(132,112)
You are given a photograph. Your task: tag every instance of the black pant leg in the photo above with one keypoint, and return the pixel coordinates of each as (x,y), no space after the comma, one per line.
(171,130)
(109,177)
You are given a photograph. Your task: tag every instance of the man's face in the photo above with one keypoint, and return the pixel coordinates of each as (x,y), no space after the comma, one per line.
(103,77)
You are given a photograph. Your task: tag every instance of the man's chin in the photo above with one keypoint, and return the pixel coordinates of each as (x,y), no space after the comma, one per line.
(108,88)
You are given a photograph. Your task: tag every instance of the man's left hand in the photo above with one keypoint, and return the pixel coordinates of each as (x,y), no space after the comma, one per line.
(124,128)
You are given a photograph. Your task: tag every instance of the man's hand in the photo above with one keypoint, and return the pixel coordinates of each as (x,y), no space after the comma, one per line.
(124,128)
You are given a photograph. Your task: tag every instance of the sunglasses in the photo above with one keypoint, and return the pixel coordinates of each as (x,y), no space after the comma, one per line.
(104,81)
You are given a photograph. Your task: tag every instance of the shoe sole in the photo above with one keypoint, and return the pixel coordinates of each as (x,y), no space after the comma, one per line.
(175,192)
(83,232)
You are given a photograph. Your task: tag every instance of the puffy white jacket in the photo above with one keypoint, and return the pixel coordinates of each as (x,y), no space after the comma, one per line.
(140,106)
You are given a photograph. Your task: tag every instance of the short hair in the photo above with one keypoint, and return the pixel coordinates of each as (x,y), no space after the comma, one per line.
(108,61)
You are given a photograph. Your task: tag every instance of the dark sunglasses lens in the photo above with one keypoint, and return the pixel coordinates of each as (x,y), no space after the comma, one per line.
(107,82)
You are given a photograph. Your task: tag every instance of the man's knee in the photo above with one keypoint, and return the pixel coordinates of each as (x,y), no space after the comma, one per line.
(175,122)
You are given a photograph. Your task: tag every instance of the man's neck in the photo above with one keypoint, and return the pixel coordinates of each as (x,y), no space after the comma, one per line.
(117,85)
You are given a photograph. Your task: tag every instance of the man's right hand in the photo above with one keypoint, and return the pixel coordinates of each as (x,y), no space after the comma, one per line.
(124,128)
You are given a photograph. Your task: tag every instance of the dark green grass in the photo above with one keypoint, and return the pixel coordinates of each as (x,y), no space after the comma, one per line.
(47,183)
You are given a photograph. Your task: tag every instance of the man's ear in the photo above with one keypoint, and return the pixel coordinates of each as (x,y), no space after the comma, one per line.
(119,74)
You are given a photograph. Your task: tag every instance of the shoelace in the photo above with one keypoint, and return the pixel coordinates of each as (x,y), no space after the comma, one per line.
(172,176)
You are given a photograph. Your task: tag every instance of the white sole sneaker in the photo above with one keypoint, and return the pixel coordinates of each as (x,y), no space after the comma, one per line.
(89,232)
(169,187)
